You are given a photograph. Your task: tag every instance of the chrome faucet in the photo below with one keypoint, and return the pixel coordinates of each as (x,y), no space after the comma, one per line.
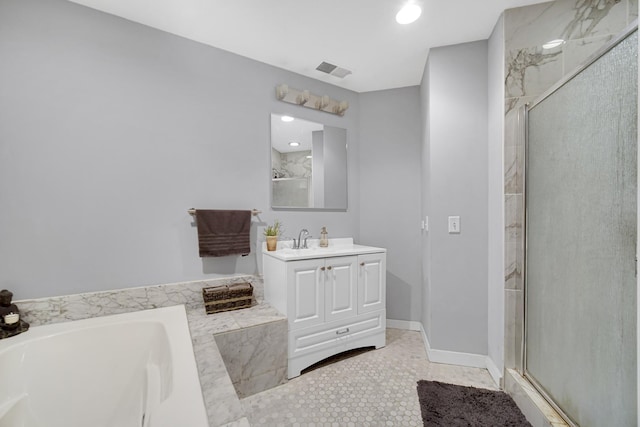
(299,243)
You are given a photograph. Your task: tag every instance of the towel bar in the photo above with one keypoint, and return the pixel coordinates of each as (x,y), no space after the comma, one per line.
(254,212)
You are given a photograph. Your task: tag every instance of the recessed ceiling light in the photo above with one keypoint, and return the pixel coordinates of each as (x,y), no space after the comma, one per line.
(309,157)
(409,13)
(553,43)
(294,144)
(286,118)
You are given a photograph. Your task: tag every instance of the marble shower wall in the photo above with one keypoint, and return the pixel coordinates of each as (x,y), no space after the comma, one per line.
(296,164)
(514,236)
(585,26)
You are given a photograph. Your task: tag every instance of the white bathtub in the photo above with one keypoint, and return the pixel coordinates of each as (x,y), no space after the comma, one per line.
(135,369)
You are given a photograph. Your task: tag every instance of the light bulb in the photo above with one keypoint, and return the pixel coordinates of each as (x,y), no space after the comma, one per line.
(409,13)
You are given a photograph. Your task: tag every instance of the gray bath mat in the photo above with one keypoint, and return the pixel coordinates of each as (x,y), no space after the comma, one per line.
(456,406)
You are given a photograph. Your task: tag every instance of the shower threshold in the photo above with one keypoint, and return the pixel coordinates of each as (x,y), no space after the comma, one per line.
(532,404)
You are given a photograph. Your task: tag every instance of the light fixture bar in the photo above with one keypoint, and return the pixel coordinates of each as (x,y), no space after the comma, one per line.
(307,99)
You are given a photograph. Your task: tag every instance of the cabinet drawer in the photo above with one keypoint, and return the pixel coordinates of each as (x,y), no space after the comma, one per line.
(331,334)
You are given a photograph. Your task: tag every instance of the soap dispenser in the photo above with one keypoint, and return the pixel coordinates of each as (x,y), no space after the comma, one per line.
(324,240)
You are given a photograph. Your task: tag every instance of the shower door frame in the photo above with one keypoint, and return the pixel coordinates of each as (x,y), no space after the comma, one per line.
(566,79)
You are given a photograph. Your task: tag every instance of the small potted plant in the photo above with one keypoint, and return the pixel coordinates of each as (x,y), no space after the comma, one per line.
(271,233)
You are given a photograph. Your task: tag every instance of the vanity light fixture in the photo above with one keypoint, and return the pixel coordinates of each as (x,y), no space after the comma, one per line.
(307,99)
(294,144)
(341,108)
(282,91)
(408,14)
(286,119)
(322,103)
(553,43)
(303,97)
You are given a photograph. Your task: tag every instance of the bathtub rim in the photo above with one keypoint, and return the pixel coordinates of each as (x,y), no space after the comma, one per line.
(187,390)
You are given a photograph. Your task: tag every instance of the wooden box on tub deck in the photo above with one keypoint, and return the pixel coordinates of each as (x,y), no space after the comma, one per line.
(227,297)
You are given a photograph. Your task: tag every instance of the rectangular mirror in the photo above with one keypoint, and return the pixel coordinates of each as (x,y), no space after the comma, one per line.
(308,164)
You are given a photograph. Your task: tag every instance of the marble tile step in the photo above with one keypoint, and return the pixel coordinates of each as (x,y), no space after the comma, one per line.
(254,342)
(255,357)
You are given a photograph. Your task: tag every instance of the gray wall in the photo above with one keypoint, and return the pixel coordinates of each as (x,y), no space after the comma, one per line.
(110,131)
(335,168)
(457,181)
(317,167)
(390,191)
(425,188)
(495,164)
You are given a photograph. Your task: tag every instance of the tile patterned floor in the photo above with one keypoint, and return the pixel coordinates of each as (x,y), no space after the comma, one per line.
(366,388)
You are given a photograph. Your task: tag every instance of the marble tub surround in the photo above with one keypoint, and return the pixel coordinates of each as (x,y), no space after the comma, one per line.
(228,321)
(221,400)
(218,389)
(82,306)
(255,357)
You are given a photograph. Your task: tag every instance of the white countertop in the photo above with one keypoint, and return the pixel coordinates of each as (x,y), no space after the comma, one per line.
(337,247)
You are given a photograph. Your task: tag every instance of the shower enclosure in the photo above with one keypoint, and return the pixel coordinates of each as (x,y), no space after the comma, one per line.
(580,251)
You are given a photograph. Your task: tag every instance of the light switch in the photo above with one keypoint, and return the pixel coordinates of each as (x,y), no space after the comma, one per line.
(454,224)
(426,223)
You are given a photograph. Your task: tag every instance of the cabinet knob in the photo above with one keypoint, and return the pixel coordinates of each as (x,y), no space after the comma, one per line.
(321,268)
(362,264)
(329,268)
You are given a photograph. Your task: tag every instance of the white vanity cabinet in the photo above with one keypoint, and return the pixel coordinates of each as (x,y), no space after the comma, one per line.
(334,299)
(371,283)
(323,290)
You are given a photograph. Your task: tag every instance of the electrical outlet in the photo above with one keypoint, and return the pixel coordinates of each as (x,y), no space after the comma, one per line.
(454,225)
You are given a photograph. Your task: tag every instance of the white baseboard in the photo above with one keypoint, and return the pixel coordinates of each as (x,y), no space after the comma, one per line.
(449,357)
(408,325)
(453,357)
(461,359)
(495,373)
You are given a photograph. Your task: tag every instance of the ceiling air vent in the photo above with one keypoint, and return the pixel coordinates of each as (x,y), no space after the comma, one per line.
(333,70)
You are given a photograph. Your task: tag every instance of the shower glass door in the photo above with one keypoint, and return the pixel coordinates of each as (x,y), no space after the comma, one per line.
(581,203)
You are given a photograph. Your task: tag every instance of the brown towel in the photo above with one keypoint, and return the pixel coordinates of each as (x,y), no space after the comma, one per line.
(223,233)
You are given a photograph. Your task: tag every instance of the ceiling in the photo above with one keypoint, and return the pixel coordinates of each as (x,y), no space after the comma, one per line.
(298,130)
(297,35)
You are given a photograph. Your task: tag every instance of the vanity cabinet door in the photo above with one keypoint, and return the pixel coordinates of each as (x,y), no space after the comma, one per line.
(306,294)
(340,287)
(371,282)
